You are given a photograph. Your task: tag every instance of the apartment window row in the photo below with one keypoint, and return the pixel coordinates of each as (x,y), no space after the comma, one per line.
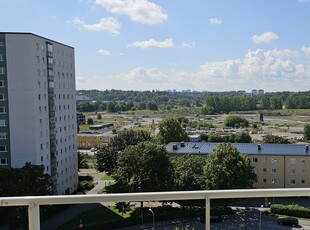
(64,107)
(64,96)
(3,148)
(4,161)
(2,70)
(62,74)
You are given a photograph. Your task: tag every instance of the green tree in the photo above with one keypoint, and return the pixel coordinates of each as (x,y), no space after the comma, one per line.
(99,117)
(269,138)
(107,155)
(227,168)
(90,121)
(307,132)
(236,121)
(170,130)
(215,137)
(188,172)
(243,137)
(144,167)
(82,161)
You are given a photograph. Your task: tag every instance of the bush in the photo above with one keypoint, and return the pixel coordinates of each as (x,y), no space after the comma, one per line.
(290,210)
(86,185)
(90,121)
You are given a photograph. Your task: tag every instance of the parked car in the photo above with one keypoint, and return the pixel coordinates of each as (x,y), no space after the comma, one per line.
(288,221)
(93,149)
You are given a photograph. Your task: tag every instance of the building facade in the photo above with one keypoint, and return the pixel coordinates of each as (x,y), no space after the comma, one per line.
(93,140)
(276,165)
(38,107)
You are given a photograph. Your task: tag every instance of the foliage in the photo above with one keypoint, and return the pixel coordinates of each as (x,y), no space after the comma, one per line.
(123,207)
(188,172)
(236,121)
(170,130)
(30,180)
(275,139)
(107,155)
(90,121)
(83,160)
(86,185)
(307,132)
(227,168)
(143,167)
(290,210)
(243,137)
(99,117)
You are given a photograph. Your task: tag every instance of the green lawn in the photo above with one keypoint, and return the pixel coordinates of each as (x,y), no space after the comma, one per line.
(106,177)
(95,216)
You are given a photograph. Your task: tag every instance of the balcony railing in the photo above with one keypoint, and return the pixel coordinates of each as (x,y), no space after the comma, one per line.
(34,202)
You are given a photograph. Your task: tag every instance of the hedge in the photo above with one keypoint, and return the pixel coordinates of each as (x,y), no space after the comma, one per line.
(290,210)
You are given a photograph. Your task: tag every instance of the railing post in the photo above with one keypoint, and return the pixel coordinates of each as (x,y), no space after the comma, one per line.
(207,217)
(34,216)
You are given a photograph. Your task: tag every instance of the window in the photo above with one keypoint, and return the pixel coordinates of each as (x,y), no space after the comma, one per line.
(273,181)
(2,110)
(303,181)
(303,171)
(264,160)
(2,123)
(273,160)
(39,84)
(39,97)
(292,161)
(293,171)
(3,148)
(1,57)
(4,161)
(3,136)
(2,97)
(273,170)
(2,70)
(254,159)
(303,161)
(264,180)
(264,170)
(292,181)
(38,59)
(2,85)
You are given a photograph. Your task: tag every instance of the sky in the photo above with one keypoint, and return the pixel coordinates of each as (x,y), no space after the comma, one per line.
(202,45)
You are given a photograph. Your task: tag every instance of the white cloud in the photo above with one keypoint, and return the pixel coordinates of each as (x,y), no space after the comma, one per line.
(141,74)
(188,45)
(266,37)
(306,50)
(142,11)
(153,44)
(215,21)
(105,24)
(103,52)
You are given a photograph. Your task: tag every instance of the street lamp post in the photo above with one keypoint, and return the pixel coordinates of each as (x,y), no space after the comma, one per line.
(260,218)
(153,217)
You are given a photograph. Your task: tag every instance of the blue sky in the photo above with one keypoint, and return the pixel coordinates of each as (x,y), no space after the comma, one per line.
(202,45)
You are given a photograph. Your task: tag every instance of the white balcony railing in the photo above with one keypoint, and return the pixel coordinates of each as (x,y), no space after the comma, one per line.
(34,202)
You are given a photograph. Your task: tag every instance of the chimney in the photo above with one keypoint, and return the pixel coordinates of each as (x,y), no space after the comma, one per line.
(174,146)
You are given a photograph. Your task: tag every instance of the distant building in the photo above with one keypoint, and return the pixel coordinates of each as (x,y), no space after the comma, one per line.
(82,98)
(254,92)
(276,165)
(194,138)
(260,92)
(91,140)
(101,126)
(80,118)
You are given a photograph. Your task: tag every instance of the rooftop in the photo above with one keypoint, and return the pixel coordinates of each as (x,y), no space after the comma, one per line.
(203,148)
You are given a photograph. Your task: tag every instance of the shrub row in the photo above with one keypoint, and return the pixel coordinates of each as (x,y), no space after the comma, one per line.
(290,210)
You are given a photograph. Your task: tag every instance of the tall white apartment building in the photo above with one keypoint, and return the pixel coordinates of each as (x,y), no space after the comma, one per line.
(38,107)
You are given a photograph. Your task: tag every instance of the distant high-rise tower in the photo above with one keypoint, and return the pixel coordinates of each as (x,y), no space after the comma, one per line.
(38,107)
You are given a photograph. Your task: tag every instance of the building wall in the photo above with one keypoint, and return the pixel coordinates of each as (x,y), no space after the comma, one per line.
(93,141)
(32,113)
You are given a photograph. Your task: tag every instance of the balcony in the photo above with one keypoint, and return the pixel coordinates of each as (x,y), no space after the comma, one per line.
(34,202)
